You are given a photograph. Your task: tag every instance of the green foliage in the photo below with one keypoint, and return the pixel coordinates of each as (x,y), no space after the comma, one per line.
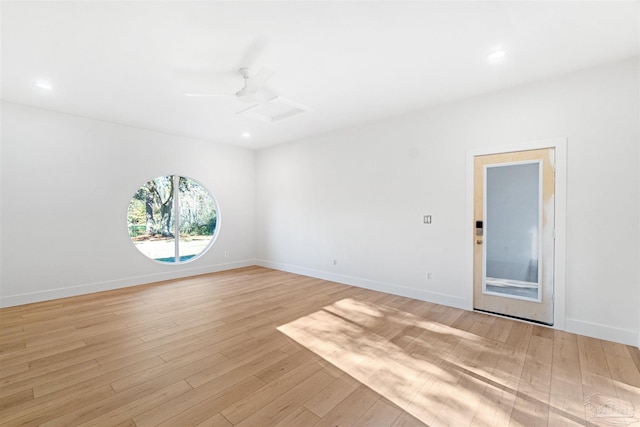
(151,210)
(198,214)
(136,217)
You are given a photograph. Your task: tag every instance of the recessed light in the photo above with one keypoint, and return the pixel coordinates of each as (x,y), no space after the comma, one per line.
(496,56)
(246,135)
(43,84)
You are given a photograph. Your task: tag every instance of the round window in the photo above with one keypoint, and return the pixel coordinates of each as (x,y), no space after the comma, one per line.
(166,204)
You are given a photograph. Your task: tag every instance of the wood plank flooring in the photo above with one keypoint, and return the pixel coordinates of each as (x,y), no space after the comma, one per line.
(258,347)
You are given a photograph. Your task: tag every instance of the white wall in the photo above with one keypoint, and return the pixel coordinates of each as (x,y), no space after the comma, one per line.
(66,185)
(358,196)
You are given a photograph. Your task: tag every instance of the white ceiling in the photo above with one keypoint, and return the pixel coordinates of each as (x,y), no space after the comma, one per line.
(349,62)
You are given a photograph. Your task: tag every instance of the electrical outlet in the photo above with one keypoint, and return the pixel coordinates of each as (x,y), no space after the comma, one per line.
(227,254)
(428,275)
(335,262)
(427,219)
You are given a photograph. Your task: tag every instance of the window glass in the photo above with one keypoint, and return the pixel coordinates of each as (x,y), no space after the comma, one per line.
(198,218)
(165,204)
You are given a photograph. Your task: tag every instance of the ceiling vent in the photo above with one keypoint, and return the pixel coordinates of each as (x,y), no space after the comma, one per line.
(274,110)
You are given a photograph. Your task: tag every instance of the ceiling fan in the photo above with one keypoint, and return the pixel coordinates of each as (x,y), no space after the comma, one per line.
(266,106)
(253,87)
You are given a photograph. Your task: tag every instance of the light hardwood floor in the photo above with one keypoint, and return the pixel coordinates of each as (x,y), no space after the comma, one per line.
(257,347)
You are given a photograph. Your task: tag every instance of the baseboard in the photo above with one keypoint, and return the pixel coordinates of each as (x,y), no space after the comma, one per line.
(434,297)
(595,330)
(51,294)
(603,332)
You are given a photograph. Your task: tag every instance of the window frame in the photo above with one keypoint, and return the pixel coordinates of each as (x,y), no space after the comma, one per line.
(175,206)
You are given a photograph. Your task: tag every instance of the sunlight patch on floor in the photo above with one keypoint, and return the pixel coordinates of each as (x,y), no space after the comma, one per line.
(437,373)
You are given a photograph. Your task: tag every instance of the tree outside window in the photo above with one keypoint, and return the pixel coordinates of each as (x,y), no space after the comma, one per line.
(165,204)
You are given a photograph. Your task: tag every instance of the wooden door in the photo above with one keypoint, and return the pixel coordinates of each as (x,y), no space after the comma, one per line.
(514,234)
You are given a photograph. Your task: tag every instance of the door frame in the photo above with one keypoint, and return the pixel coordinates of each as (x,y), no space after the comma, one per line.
(560,244)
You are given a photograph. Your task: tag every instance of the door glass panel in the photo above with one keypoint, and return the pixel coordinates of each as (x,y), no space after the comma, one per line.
(512,230)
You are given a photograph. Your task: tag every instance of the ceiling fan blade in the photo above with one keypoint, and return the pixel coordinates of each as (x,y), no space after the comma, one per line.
(256,82)
(253,53)
(206,95)
(199,83)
